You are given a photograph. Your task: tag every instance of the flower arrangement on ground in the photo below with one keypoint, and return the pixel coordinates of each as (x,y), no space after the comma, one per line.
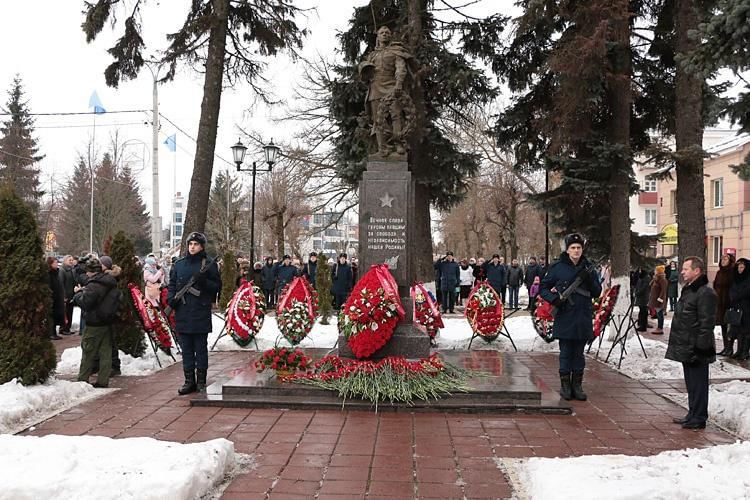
(543,319)
(285,360)
(484,311)
(606,306)
(297,310)
(390,379)
(245,313)
(154,322)
(371,312)
(426,312)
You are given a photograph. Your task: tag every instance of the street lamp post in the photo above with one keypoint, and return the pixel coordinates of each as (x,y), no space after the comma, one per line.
(271,151)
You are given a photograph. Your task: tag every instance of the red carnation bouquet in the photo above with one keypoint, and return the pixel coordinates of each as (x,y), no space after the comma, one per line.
(283,359)
(154,322)
(245,313)
(297,310)
(606,306)
(426,312)
(484,311)
(543,319)
(371,312)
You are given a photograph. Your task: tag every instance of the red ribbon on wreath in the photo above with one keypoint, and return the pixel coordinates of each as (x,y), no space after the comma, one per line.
(154,322)
(245,313)
(297,293)
(371,312)
(606,306)
(163,302)
(484,311)
(426,312)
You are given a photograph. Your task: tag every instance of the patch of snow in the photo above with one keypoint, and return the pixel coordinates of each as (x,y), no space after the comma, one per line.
(321,336)
(95,467)
(22,406)
(70,362)
(728,406)
(687,474)
(655,366)
(457,333)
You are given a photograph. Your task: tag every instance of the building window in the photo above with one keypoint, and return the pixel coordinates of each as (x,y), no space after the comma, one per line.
(178,231)
(673,201)
(178,217)
(178,204)
(650,216)
(717,193)
(649,185)
(717,244)
(318,220)
(317,245)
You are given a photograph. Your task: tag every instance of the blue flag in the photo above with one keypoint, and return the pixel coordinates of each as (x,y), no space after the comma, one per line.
(95,103)
(171,142)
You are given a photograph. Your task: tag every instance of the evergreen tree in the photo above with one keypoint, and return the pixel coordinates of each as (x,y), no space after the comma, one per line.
(19,153)
(323,286)
(227,230)
(229,275)
(26,351)
(447,83)
(129,335)
(222,39)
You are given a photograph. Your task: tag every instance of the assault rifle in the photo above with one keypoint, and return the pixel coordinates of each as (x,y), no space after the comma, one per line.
(567,294)
(188,288)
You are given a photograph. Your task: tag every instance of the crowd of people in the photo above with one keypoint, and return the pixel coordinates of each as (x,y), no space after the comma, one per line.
(455,279)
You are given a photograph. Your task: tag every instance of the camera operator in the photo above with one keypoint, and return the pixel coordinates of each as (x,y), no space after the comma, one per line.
(81,278)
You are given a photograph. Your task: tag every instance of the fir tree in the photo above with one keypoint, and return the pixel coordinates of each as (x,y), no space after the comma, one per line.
(323,286)
(26,351)
(229,275)
(129,335)
(19,153)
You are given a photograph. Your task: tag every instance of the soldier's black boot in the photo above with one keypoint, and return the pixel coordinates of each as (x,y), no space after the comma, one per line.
(202,372)
(578,393)
(566,390)
(189,385)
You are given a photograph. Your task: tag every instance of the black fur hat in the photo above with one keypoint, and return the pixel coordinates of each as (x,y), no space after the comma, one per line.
(574,238)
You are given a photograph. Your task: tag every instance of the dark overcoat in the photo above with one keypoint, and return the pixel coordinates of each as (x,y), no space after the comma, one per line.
(342,279)
(448,273)
(722,284)
(194,315)
(739,297)
(284,276)
(691,337)
(497,275)
(268,275)
(573,321)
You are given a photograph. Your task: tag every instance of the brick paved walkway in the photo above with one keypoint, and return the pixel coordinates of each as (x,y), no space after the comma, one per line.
(331,454)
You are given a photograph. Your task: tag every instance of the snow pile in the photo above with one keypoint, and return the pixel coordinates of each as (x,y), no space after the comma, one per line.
(94,467)
(321,336)
(728,406)
(693,473)
(655,366)
(70,362)
(21,407)
(457,333)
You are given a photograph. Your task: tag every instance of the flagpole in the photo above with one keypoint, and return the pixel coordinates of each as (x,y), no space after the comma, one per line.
(91,171)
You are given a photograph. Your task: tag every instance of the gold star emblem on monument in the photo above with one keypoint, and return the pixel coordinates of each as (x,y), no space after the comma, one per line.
(386,200)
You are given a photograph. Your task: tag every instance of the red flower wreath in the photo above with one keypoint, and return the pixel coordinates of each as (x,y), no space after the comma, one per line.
(297,310)
(426,312)
(245,313)
(606,306)
(163,303)
(371,312)
(154,322)
(484,311)
(543,319)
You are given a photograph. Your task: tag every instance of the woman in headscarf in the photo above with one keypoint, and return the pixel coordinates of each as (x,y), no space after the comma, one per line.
(153,276)
(722,284)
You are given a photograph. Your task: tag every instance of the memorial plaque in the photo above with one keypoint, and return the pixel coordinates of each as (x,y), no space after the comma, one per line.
(386,212)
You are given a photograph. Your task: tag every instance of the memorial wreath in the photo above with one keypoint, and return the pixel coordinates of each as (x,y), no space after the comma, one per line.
(371,312)
(245,313)
(297,310)
(484,311)
(153,320)
(543,319)
(604,311)
(426,311)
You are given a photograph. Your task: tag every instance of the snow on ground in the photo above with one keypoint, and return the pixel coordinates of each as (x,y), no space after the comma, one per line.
(94,467)
(728,406)
(635,366)
(22,407)
(70,362)
(686,474)
(457,333)
(321,336)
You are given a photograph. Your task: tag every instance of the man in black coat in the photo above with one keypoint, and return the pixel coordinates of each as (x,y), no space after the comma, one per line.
(691,340)
(497,275)
(193,310)
(285,272)
(447,270)
(68,281)
(640,294)
(311,268)
(268,281)
(515,278)
(342,280)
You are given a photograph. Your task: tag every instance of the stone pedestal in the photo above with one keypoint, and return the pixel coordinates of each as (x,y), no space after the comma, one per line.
(386,234)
